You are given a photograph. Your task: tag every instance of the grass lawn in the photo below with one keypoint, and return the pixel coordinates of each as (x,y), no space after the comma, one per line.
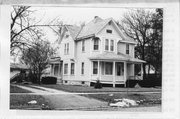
(21,102)
(148,99)
(118,93)
(15,89)
(86,89)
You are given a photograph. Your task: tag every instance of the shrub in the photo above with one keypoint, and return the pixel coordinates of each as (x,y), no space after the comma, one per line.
(49,80)
(131,83)
(150,82)
(98,84)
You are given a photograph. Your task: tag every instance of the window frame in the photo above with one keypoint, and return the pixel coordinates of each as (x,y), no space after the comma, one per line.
(83,45)
(127,49)
(96,43)
(67,48)
(105,66)
(112,45)
(82,68)
(66,69)
(107,44)
(109,31)
(95,68)
(72,68)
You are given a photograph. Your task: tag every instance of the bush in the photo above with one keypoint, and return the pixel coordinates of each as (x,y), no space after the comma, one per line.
(49,80)
(131,83)
(98,84)
(151,80)
(150,83)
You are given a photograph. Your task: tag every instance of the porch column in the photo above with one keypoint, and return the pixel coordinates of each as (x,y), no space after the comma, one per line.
(98,71)
(59,73)
(114,80)
(125,72)
(141,71)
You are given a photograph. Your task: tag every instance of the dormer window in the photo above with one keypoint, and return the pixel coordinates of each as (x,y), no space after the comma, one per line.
(108,31)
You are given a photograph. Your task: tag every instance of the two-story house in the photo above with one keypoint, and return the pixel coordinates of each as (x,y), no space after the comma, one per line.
(96,51)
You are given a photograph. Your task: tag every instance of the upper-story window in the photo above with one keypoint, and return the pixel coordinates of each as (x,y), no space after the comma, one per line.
(96,44)
(66,48)
(127,48)
(112,45)
(107,44)
(83,45)
(108,31)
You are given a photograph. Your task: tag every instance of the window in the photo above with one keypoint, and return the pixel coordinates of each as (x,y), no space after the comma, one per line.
(67,35)
(82,68)
(108,68)
(83,45)
(112,45)
(65,68)
(108,31)
(56,69)
(67,48)
(72,68)
(96,44)
(127,48)
(64,48)
(106,44)
(95,67)
(120,69)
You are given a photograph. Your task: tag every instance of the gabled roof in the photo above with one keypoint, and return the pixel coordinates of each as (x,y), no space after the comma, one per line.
(54,60)
(94,27)
(116,57)
(74,30)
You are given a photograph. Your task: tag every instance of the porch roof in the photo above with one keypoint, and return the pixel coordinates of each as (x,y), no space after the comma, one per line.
(53,60)
(116,57)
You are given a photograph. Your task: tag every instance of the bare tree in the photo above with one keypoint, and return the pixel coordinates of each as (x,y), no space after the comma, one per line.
(36,56)
(136,24)
(25,28)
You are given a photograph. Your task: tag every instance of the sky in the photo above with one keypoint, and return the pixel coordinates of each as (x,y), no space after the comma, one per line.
(73,16)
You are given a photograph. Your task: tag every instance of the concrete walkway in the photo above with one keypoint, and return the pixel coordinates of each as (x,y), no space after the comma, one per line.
(62,100)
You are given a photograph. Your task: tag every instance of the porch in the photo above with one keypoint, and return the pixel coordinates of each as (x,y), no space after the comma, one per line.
(111,68)
(56,68)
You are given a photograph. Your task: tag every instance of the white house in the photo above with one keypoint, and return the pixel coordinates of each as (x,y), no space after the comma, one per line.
(96,51)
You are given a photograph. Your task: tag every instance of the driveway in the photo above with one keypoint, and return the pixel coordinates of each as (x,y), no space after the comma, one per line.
(64,100)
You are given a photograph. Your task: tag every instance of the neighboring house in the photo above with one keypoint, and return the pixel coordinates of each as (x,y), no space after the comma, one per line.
(16,69)
(96,51)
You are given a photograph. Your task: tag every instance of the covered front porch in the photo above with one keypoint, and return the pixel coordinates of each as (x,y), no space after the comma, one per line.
(115,71)
(56,68)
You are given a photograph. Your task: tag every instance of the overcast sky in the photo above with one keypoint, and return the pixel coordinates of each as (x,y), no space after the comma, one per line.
(74,15)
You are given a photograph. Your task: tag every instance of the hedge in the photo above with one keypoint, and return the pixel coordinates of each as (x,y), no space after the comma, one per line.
(49,80)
